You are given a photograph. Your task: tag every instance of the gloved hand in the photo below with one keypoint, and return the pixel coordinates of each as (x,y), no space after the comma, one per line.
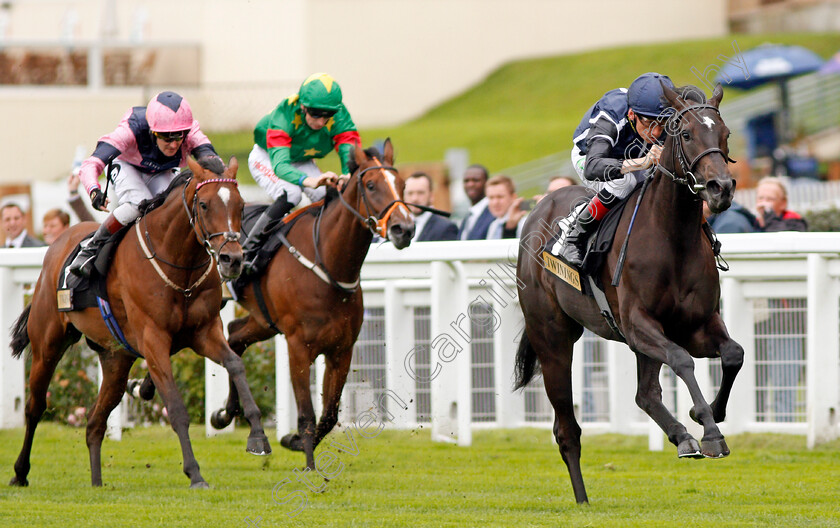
(97,199)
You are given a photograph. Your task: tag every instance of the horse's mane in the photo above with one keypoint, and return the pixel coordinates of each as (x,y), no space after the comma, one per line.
(211,163)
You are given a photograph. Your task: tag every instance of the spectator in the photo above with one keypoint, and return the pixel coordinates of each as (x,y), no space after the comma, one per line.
(479,217)
(74,200)
(736,219)
(56,222)
(429,226)
(505,207)
(14,224)
(557,182)
(780,354)
(771,204)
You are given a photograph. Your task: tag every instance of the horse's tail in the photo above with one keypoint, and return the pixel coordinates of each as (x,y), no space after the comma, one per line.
(20,334)
(526,362)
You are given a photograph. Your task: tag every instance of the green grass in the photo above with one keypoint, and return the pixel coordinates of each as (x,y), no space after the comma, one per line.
(400,478)
(528,109)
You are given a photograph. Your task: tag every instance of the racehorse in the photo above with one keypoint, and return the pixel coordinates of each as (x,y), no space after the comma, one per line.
(666,305)
(165,296)
(320,312)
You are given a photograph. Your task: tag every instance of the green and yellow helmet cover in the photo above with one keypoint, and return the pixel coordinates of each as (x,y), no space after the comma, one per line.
(320,91)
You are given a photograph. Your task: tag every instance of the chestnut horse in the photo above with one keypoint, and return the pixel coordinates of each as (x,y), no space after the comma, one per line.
(317,316)
(165,294)
(667,304)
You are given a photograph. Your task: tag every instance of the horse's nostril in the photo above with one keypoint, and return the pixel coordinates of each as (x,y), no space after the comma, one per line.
(224,259)
(396,230)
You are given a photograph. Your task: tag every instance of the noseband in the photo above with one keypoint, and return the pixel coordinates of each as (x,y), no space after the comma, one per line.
(376,223)
(678,153)
(196,219)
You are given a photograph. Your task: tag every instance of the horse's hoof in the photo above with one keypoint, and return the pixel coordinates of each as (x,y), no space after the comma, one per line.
(258,446)
(292,441)
(220,419)
(200,485)
(689,448)
(715,448)
(18,482)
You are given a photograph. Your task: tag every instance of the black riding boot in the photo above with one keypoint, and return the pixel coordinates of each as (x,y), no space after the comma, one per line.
(265,225)
(83,263)
(574,247)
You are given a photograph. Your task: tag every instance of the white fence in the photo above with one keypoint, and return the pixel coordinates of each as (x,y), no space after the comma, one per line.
(442,322)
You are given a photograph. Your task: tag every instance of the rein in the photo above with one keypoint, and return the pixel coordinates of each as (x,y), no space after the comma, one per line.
(679,156)
(145,241)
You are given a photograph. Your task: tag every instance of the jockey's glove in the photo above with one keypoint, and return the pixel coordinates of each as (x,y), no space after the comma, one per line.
(97,198)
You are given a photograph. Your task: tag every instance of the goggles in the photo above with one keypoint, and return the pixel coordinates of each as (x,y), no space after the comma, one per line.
(319,113)
(170,137)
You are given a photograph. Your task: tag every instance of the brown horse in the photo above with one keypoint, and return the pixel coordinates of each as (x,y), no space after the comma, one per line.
(667,303)
(317,316)
(165,295)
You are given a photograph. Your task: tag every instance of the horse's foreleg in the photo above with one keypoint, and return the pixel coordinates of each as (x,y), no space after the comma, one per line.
(304,439)
(335,376)
(115,368)
(160,369)
(649,399)
(646,336)
(712,341)
(212,345)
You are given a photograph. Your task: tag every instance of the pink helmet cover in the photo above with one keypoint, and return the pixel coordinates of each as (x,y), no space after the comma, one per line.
(169,112)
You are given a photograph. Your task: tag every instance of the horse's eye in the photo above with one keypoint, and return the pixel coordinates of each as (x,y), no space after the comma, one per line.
(685,135)
(371,185)
(203,205)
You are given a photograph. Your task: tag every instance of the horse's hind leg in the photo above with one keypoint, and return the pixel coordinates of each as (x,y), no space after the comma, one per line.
(554,349)
(335,376)
(709,342)
(649,399)
(115,368)
(47,349)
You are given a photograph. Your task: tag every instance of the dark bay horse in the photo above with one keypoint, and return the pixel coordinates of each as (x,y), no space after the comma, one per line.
(165,293)
(667,302)
(320,311)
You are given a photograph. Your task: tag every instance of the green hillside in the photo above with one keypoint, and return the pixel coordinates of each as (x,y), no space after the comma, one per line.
(529,108)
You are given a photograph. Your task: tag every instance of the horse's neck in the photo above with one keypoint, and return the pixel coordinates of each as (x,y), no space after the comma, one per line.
(677,211)
(349,240)
(172,236)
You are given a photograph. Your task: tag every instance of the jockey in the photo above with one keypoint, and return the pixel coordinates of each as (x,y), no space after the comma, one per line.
(147,149)
(303,127)
(614,144)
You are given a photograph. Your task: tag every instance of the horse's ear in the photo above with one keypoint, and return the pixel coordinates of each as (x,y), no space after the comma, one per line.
(233,166)
(195,167)
(388,154)
(717,96)
(673,97)
(359,153)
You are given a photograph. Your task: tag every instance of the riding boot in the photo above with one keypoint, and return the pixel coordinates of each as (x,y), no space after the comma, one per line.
(587,221)
(83,263)
(265,225)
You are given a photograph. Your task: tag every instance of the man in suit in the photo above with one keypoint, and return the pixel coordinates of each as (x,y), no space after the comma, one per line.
(479,217)
(418,190)
(14,224)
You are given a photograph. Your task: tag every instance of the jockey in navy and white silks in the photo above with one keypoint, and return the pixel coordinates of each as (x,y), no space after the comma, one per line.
(614,144)
(146,151)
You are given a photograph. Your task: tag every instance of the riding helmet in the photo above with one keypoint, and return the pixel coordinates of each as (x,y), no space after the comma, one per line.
(169,112)
(320,91)
(646,97)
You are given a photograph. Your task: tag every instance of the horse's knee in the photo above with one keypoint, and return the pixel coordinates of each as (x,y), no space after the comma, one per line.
(234,365)
(732,356)
(646,398)
(681,363)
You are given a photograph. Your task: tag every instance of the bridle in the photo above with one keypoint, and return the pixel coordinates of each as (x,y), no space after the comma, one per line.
(197,223)
(679,156)
(376,223)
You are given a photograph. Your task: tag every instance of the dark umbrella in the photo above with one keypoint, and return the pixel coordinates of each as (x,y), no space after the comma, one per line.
(770,63)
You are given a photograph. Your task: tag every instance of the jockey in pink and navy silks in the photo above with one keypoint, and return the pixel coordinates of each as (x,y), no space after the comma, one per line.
(146,151)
